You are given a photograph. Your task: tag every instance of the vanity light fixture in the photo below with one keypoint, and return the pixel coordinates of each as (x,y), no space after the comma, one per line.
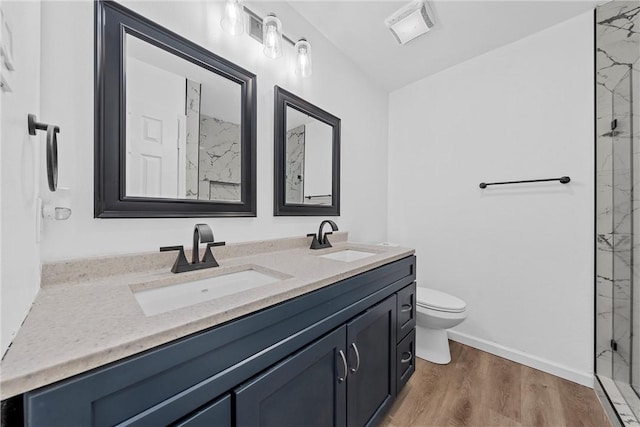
(268,31)
(272,36)
(410,21)
(303,58)
(233,18)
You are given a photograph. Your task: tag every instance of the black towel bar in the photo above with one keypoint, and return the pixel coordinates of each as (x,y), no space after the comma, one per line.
(563,180)
(313,197)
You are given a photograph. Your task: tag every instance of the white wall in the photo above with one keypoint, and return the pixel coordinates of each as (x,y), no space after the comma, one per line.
(20,154)
(318,141)
(520,256)
(67,99)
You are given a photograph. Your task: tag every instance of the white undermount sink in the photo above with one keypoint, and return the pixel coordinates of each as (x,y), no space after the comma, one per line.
(347,255)
(162,299)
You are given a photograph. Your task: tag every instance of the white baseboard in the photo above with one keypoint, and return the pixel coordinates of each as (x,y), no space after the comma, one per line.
(544,365)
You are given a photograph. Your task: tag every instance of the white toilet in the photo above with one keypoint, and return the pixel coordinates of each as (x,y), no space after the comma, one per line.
(436,312)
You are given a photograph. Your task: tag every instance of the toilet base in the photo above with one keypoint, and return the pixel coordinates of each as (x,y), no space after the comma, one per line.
(433,345)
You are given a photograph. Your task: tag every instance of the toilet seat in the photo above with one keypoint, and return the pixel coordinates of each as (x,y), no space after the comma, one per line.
(439,301)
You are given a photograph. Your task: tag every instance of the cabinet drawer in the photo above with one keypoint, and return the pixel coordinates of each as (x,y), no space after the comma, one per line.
(406,311)
(405,359)
(216,414)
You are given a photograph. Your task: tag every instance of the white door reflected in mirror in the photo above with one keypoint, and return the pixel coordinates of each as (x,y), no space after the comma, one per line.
(183,128)
(308,165)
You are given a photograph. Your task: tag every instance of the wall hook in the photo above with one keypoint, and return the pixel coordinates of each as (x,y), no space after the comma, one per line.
(52,147)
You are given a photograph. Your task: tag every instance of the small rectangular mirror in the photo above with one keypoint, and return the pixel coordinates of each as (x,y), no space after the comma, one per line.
(307,158)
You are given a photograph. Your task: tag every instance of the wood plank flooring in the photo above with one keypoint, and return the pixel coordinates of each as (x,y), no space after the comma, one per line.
(479,389)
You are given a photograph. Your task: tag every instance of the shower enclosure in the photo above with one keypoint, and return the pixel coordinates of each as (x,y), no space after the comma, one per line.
(617,358)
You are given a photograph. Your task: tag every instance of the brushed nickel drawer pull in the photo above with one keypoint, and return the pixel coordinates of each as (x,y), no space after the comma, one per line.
(406,307)
(408,358)
(344,364)
(354,370)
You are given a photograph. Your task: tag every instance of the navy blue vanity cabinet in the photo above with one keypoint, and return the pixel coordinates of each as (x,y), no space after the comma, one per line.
(345,378)
(201,378)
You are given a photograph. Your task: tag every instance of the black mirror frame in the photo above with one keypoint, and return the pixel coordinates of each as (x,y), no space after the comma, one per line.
(112,23)
(284,99)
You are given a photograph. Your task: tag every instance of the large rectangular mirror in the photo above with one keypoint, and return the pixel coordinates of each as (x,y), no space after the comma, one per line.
(307,158)
(175,124)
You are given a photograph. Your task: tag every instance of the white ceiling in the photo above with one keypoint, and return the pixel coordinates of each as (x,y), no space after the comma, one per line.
(464,29)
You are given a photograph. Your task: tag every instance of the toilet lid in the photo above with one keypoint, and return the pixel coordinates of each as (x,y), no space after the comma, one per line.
(436,300)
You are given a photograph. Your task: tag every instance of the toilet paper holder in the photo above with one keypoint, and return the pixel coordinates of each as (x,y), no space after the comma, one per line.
(52,147)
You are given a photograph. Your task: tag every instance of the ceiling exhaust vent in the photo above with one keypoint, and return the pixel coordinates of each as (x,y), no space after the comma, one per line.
(410,21)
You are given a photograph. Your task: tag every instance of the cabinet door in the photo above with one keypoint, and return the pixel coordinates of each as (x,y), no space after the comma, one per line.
(371,347)
(306,389)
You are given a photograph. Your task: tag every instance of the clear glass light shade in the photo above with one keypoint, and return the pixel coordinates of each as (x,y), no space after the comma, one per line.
(303,59)
(272,36)
(232,20)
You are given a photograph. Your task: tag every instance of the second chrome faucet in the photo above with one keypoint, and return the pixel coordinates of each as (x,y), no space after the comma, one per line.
(201,234)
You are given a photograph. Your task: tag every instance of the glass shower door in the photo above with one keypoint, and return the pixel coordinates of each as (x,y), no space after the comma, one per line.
(633,118)
(626,207)
(617,338)
(623,229)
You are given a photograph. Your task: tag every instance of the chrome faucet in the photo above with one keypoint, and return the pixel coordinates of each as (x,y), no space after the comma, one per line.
(201,234)
(321,241)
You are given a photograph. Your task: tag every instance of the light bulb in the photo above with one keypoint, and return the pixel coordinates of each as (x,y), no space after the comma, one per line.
(272,36)
(232,21)
(303,60)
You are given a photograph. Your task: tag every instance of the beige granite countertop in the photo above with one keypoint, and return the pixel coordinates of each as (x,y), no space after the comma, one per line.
(86,315)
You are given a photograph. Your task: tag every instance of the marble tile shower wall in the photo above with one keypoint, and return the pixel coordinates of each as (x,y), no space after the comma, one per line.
(219,166)
(295,165)
(212,152)
(617,182)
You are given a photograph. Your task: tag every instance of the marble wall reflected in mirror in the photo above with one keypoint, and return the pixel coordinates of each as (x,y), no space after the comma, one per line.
(175,124)
(183,128)
(307,158)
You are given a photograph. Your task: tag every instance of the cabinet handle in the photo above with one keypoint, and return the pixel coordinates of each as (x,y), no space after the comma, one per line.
(344,364)
(354,370)
(408,358)
(406,307)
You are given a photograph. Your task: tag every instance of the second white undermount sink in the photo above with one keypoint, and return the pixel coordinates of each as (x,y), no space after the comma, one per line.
(171,297)
(347,255)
